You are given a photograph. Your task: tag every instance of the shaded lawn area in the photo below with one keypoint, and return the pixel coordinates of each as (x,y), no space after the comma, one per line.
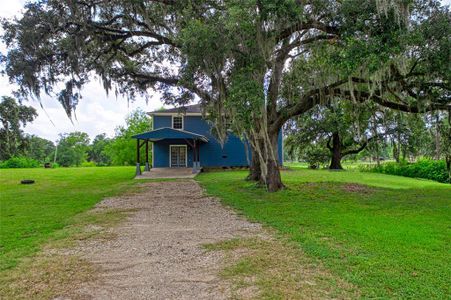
(388,235)
(30,214)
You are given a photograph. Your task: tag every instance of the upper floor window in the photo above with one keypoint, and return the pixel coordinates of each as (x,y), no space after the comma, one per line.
(177,122)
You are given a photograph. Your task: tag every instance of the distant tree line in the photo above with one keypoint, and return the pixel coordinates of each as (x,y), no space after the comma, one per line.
(418,144)
(18,149)
(331,133)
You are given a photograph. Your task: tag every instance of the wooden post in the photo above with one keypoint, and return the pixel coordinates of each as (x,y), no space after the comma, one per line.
(194,157)
(147,168)
(198,155)
(138,167)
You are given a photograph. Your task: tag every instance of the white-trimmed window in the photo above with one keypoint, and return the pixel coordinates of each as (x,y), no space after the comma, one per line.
(177,122)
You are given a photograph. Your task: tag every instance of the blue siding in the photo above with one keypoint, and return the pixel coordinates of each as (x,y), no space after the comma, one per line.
(211,154)
(162,121)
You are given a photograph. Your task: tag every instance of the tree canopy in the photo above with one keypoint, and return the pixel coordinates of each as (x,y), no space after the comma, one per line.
(122,149)
(13,116)
(257,63)
(342,128)
(97,153)
(72,149)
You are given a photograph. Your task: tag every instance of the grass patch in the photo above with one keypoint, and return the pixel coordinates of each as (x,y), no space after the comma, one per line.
(57,270)
(31,214)
(46,277)
(46,265)
(387,235)
(84,226)
(274,269)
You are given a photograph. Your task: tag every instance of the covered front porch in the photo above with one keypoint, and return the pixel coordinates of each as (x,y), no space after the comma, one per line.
(159,173)
(171,148)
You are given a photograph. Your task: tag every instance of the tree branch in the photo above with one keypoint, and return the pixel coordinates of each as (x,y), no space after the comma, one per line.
(356,151)
(311,24)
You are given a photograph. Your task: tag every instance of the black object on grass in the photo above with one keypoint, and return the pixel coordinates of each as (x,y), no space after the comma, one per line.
(27,181)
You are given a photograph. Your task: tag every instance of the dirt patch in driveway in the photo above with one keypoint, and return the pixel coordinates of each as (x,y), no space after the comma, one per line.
(158,251)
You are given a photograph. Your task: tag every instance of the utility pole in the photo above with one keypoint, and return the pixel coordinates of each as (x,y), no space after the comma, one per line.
(56,152)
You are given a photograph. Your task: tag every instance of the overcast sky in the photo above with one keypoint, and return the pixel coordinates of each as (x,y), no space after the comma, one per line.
(96,112)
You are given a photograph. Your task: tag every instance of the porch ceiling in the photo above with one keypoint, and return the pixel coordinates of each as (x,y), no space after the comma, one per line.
(169,133)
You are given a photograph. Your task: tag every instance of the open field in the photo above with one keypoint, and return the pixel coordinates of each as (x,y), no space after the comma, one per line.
(31,214)
(387,235)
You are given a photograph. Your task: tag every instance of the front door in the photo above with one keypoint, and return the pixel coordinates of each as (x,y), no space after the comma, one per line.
(178,156)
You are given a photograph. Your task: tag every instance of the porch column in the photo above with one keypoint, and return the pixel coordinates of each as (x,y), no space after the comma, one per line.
(147,168)
(138,167)
(194,156)
(198,157)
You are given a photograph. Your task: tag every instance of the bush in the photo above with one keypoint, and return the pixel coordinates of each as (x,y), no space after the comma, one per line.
(316,157)
(427,169)
(88,164)
(19,162)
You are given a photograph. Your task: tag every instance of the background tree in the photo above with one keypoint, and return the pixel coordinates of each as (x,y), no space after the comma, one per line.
(39,149)
(446,141)
(72,149)
(408,135)
(342,128)
(97,153)
(315,154)
(122,149)
(13,116)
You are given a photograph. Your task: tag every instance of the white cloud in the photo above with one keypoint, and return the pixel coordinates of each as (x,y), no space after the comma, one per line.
(11,8)
(96,112)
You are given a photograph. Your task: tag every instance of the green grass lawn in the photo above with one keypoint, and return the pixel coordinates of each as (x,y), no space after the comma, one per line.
(387,235)
(30,214)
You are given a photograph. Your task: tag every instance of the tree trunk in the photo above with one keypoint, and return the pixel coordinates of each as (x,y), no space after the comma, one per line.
(395,151)
(398,140)
(335,162)
(254,169)
(376,140)
(448,166)
(438,153)
(273,179)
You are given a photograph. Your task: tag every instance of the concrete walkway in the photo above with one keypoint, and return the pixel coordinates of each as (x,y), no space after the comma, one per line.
(156,173)
(158,252)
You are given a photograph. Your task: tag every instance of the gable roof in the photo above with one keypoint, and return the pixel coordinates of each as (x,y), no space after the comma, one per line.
(169,133)
(188,109)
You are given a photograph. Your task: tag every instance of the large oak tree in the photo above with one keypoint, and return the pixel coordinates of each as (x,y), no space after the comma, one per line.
(257,63)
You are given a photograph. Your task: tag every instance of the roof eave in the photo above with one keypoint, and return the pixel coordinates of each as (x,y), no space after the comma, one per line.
(173,114)
(195,135)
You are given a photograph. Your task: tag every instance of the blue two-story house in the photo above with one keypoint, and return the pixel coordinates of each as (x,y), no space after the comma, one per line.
(182,138)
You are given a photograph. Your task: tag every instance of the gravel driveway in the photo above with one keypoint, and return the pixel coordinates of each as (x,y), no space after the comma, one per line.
(158,252)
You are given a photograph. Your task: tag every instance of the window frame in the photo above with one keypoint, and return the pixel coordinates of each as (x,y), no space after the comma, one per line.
(183,122)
